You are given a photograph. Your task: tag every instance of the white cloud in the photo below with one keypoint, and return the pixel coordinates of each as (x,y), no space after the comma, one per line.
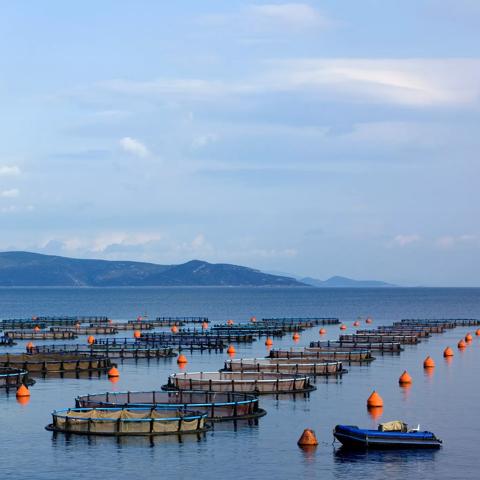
(201,141)
(135,147)
(296,15)
(9,170)
(450,241)
(405,240)
(11,193)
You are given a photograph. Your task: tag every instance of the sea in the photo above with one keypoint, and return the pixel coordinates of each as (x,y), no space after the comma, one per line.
(445,400)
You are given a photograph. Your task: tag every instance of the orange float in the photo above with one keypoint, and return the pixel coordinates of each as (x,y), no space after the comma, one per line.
(23,391)
(253,319)
(182,359)
(29,346)
(204,325)
(230,322)
(461,344)
(405,379)
(308,438)
(356,323)
(268,342)
(368,320)
(91,339)
(448,352)
(428,363)
(343,327)
(477,332)
(174,329)
(231,349)
(374,400)
(113,372)
(36,328)
(137,334)
(296,336)
(468,337)
(322,331)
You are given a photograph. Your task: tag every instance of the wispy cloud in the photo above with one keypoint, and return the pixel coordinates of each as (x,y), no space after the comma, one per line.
(405,240)
(11,193)
(6,170)
(135,147)
(450,241)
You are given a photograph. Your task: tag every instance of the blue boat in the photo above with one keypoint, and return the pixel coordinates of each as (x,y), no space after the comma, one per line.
(391,435)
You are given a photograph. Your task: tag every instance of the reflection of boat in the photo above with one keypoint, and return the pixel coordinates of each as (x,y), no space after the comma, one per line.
(389,435)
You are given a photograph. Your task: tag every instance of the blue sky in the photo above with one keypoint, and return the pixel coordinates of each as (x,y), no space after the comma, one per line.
(319,138)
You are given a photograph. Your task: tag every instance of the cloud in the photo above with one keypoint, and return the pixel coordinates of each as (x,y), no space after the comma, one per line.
(9,170)
(135,147)
(406,82)
(295,15)
(11,193)
(405,240)
(201,141)
(450,241)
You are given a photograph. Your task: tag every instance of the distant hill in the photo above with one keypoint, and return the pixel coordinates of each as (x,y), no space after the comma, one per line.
(34,269)
(344,282)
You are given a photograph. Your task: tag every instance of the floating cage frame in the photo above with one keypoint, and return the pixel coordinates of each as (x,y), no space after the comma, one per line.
(219,406)
(127,421)
(389,347)
(348,356)
(297,366)
(379,338)
(257,383)
(14,377)
(49,335)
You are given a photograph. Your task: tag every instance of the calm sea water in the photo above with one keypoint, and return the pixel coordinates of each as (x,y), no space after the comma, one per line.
(445,402)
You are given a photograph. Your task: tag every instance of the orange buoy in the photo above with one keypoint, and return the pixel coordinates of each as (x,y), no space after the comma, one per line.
(368,320)
(356,323)
(461,344)
(36,328)
(139,318)
(113,372)
(231,349)
(182,359)
(77,325)
(29,346)
(477,332)
(448,352)
(174,329)
(137,334)
(268,342)
(204,325)
(468,337)
(253,319)
(322,331)
(230,322)
(343,327)
(308,438)
(23,391)
(91,339)
(405,378)
(374,400)
(296,336)
(110,321)
(428,363)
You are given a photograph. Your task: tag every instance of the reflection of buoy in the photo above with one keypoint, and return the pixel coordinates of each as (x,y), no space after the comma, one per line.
(428,363)
(468,337)
(113,379)
(374,400)
(268,342)
(448,352)
(461,344)
(204,325)
(405,378)
(368,320)
(23,391)
(322,331)
(113,372)
(231,349)
(182,359)
(91,339)
(174,329)
(137,334)
(375,413)
(308,438)
(343,327)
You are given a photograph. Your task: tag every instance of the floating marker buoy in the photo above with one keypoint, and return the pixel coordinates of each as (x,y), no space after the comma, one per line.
(296,336)
(174,329)
(113,372)
(36,328)
(468,337)
(139,319)
(322,331)
(428,363)
(268,342)
(356,323)
(307,439)
(230,322)
(23,391)
(343,327)
(231,349)
(182,359)
(374,400)
(477,332)
(368,320)
(137,334)
(448,352)
(77,325)
(461,344)
(110,321)
(253,319)
(91,339)
(204,325)
(405,378)
(29,346)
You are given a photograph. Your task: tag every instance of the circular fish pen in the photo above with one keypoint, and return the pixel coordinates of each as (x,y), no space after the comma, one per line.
(26,335)
(14,377)
(92,330)
(55,363)
(285,365)
(122,351)
(384,347)
(311,354)
(219,406)
(259,383)
(127,421)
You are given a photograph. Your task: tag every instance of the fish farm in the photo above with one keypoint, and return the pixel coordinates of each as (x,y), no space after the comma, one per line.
(13,377)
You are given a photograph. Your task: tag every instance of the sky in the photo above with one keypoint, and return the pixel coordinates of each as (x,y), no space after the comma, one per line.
(316,138)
